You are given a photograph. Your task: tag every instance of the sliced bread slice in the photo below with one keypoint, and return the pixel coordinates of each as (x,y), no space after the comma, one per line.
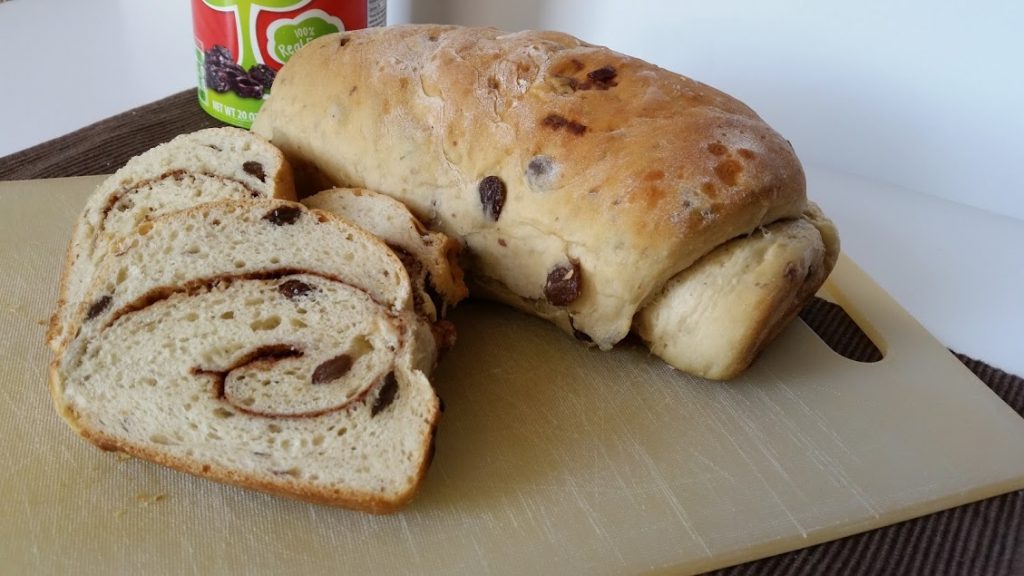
(231,238)
(261,344)
(211,164)
(431,258)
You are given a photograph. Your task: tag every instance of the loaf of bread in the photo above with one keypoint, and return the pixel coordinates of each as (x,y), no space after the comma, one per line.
(585,184)
(281,353)
(212,164)
(430,258)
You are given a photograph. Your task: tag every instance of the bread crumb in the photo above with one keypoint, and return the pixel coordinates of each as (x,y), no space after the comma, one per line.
(146,499)
(122,456)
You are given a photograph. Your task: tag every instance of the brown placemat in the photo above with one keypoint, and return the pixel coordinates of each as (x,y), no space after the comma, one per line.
(105,146)
(982,538)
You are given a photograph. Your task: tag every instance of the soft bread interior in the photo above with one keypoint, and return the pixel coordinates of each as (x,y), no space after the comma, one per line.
(431,258)
(311,395)
(237,238)
(208,165)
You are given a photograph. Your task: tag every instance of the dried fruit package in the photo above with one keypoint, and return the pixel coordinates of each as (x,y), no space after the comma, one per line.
(240,45)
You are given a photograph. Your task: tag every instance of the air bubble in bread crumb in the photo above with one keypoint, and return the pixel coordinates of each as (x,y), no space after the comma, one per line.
(160,439)
(268,323)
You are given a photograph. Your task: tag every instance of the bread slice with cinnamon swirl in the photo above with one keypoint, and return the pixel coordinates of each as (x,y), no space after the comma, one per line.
(281,353)
(431,258)
(207,165)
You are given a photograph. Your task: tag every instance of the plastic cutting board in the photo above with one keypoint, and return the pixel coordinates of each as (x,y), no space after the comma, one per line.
(551,458)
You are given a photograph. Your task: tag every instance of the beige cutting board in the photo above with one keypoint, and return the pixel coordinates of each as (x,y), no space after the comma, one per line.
(551,458)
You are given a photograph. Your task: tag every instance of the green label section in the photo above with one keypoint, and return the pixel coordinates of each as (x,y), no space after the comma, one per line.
(288,38)
(229,108)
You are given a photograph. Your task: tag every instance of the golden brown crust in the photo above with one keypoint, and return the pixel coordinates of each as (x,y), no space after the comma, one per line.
(55,329)
(605,160)
(355,500)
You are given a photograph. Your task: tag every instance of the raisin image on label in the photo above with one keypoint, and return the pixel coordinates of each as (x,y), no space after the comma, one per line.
(241,44)
(223,74)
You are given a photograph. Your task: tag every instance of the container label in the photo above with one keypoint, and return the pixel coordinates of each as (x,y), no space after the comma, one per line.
(286,36)
(241,44)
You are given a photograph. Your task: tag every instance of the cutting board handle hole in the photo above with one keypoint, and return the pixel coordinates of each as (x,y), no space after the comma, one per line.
(839,331)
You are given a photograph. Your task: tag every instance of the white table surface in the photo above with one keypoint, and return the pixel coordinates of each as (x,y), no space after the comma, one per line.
(958,269)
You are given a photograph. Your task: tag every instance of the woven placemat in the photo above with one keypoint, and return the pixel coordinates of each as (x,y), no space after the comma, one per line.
(986,537)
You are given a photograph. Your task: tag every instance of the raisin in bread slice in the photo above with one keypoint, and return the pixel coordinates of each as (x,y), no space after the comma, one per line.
(261,344)
(431,258)
(211,164)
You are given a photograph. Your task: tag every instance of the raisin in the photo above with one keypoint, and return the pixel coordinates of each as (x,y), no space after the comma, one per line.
(283,215)
(219,54)
(233,72)
(386,396)
(540,172)
(217,80)
(539,166)
(492,196)
(222,74)
(557,122)
(246,87)
(332,369)
(564,284)
(98,307)
(263,74)
(576,128)
(603,78)
(293,289)
(255,169)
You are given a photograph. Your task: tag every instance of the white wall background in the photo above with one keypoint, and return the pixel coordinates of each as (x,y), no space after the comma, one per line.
(68,63)
(924,94)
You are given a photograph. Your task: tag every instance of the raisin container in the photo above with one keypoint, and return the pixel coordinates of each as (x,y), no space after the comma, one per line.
(241,44)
